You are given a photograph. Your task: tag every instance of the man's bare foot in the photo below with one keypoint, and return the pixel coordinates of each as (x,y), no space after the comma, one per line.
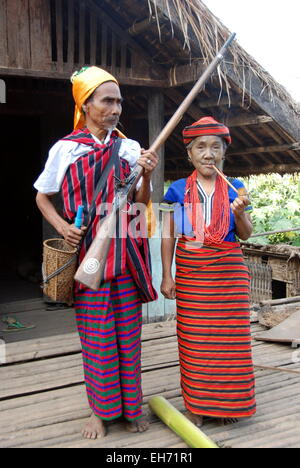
(226,421)
(140,425)
(94,428)
(196,419)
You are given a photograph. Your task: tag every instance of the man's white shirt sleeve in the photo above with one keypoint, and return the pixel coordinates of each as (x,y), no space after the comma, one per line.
(61,156)
(64,153)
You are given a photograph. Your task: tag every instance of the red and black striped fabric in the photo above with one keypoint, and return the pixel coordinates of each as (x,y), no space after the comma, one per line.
(78,188)
(206,126)
(213,320)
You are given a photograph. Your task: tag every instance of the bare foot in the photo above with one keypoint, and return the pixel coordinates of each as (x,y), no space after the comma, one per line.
(196,419)
(225,421)
(94,428)
(140,425)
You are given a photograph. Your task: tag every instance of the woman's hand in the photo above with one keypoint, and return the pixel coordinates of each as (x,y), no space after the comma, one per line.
(243,222)
(149,161)
(73,235)
(168,288)
(239,205)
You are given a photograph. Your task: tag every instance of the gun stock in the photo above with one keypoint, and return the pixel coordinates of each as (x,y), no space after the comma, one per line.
(90,272)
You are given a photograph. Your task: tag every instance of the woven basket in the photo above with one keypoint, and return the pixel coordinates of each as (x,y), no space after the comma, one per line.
(56,254)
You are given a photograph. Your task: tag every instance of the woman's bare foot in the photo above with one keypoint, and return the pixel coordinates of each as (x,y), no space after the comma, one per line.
(140,425)
(196,419)
(94,428)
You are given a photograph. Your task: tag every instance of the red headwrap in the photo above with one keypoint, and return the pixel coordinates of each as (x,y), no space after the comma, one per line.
(206,126)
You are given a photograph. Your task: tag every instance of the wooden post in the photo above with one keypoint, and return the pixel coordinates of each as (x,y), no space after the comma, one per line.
(156,310)
(156,124)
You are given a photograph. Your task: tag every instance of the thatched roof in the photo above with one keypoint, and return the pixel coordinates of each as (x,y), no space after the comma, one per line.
(153,47)
(180,38)
(201,27)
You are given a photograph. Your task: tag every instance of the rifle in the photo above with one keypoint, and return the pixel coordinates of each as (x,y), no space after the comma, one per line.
(90,271)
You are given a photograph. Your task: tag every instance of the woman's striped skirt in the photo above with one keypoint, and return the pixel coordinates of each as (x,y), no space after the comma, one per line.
(109,322)
(213,321)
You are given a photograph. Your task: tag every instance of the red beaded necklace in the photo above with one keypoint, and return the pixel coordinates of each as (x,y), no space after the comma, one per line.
(215,233)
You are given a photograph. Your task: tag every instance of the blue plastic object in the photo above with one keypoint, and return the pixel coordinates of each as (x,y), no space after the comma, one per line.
(79,216)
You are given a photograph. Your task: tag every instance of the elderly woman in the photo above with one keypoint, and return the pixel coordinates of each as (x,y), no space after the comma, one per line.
(212,280)
(109,320)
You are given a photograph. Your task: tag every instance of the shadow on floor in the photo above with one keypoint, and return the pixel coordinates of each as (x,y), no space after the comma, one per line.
(13,288)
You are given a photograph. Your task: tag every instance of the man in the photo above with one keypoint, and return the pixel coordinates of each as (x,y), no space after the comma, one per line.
(109,320)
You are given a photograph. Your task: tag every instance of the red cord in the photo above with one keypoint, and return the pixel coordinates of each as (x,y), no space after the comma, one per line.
(215,233)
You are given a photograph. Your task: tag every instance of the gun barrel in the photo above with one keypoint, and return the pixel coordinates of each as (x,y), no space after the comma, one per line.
(177,117)
(227,44)
(92,268)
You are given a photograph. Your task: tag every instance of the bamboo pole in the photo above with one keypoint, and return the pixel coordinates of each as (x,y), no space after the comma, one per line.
(270,233)
(179,424)
(177,117)
(137,172)
(225,178)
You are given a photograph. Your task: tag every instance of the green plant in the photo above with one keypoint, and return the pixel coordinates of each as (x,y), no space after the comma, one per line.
(276,206)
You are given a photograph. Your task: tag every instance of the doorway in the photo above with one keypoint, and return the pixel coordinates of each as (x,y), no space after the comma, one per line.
(21,224)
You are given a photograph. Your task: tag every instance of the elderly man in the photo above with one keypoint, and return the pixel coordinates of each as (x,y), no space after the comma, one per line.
(109,320)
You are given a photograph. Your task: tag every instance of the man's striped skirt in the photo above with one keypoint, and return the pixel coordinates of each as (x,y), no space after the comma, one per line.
(213,317)
(109,322)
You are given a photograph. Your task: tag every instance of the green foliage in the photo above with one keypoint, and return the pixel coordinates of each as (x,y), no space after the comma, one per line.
(276,206)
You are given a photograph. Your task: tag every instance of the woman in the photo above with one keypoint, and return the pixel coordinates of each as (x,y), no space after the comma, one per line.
(212,280)
(108,320)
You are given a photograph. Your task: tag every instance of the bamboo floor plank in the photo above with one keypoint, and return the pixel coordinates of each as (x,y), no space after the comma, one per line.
(53,412)
(39,409)
(22,306)
(66,370)
(49,346)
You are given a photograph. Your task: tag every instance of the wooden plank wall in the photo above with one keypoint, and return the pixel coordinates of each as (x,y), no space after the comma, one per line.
(261,281)
(3,33)
(25,34)
(162,309)
(62,36)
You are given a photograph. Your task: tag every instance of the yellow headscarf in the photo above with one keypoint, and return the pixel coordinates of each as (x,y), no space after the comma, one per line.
(85,83)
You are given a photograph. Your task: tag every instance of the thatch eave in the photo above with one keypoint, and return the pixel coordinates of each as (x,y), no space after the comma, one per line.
(153,47)
(263,112)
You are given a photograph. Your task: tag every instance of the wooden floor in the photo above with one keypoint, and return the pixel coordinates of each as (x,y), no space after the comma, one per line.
(43,401)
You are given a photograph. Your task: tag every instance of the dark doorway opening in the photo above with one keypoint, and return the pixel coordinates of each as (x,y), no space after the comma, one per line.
(279,290)
(21,224)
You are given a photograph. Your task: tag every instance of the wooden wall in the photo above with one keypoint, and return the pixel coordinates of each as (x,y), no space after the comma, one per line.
(53,38)
(162,309)
(25,34)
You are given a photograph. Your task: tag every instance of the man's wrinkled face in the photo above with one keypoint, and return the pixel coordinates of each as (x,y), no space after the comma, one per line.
(205,152)
(103,110)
